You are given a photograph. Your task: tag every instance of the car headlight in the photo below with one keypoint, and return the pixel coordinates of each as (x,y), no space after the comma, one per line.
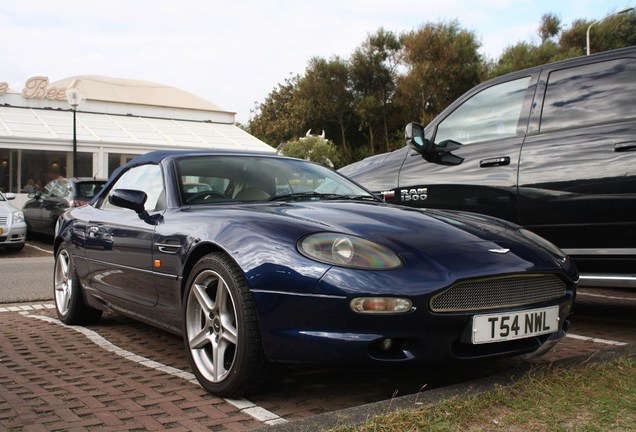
(18,217)
(543,242)
(348,251)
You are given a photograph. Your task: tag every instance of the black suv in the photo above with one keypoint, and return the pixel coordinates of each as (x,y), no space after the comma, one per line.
(552,148)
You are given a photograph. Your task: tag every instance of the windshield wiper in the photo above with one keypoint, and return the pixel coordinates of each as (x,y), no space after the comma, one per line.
(319,196)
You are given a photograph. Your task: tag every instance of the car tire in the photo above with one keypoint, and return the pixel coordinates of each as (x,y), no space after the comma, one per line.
(68,292)
(220,323)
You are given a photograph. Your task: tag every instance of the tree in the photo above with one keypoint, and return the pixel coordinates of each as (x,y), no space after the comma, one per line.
(326,95)
(525,55)
(373,73)
(616,31)
(312,148)
(442,63)
(279,118)
(550,26)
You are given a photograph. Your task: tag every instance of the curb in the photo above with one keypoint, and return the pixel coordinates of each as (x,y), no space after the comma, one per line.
(360,414)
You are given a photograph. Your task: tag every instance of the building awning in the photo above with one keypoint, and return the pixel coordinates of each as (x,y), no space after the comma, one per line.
(32,125)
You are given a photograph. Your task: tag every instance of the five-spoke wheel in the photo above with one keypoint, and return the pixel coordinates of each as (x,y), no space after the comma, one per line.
(67,292)
(221,330)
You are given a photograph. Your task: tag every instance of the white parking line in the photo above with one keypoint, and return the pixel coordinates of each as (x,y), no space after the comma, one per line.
(597,340)
(243,405)
(39,248)
(28,307)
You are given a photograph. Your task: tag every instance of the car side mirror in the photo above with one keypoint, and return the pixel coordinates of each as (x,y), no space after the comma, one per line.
(130,199)
(415,139)
(9,195)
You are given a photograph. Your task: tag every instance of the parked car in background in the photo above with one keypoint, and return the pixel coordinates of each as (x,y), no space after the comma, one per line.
(552,148)
(12,227)
(283,260)
(42,211)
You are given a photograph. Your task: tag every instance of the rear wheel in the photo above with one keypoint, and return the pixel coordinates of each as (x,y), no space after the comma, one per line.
(68,292)
(221,332)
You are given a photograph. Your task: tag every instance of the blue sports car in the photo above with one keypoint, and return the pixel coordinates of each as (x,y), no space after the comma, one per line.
(280,260)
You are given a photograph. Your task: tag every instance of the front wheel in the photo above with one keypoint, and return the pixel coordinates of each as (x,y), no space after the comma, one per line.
(68,292)
(221,332)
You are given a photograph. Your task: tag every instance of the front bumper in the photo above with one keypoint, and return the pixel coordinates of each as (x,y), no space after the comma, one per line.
(13,235)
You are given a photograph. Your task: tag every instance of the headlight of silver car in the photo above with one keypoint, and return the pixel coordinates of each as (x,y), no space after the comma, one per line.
(18,217)
(348,251)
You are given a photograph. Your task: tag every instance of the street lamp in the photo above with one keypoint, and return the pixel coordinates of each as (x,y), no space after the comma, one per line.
(74,98)
(587,37)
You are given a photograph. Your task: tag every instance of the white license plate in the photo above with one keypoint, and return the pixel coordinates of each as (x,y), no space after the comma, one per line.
(515,325)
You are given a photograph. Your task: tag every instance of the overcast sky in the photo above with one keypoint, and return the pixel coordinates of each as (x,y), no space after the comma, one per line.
(234,53)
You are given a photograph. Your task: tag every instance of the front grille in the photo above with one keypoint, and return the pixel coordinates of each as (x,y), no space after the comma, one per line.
(4,220)
(498,292)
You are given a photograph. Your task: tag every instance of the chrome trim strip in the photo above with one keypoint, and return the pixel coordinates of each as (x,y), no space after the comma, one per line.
(606,281)
(140,270)
(602,251)
(301,294)
(163,247)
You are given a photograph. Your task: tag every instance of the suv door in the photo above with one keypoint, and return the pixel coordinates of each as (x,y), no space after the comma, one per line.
(577,177)
(477,142)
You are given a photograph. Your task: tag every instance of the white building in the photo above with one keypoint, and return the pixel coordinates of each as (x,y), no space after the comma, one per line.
(116,120)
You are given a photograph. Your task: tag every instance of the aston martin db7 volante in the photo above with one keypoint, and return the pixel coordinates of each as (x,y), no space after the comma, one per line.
(280,260)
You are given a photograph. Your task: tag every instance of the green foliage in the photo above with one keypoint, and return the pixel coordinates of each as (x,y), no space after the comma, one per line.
(442,62)
(312,148)
(326,96)
(550,26)
(373,74)
(596,397)
(279,118)
(364,102)
(525,55)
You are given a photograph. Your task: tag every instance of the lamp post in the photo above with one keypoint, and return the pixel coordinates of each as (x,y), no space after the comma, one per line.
(587,37)
(73,97)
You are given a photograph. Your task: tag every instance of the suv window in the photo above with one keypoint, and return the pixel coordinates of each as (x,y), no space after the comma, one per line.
(590,94)
(492,113)
(147,178)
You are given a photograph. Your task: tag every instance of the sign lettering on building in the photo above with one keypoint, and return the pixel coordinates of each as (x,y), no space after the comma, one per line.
(37,87)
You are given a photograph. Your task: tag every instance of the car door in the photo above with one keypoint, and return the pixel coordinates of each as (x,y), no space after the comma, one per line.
(577,180)
(54,204)
(37,211)
(477,145)
(119,244)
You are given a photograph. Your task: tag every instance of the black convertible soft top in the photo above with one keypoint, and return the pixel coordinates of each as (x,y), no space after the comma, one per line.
(155,157)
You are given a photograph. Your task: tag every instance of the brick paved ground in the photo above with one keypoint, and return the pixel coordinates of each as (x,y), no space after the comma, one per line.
(55,378)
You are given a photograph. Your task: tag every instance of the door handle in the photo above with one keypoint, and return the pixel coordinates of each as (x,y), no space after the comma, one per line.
(625,146)
(498,161)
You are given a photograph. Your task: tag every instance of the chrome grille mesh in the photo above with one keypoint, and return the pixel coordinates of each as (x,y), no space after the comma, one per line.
(499,292)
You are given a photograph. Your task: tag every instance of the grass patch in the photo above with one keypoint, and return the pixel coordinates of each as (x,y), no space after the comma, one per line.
(593,397)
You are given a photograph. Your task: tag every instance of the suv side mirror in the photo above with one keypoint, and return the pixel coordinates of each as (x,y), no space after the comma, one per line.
(439,154)
(414,134)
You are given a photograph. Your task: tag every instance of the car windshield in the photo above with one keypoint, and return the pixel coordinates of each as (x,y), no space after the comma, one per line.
(261,178)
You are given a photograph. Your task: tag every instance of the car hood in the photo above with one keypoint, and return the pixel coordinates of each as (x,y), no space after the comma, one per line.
(430,235)
(7,208)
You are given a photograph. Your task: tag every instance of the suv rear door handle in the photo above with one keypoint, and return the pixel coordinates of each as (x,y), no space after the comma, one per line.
(498,161)
(625,146)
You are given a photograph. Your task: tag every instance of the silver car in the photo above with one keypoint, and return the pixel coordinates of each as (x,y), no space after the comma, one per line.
(12,226)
